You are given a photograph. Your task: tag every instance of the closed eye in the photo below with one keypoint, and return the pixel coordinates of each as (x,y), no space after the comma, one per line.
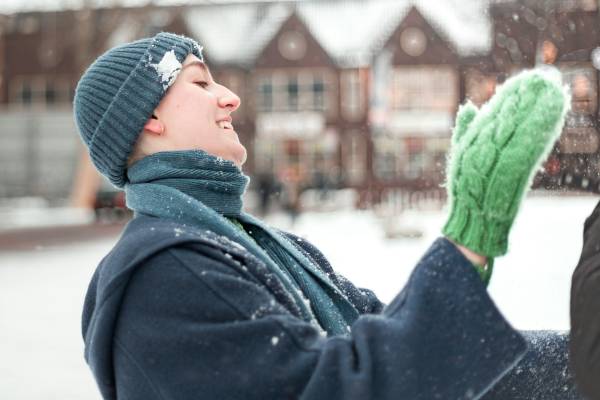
(202,83)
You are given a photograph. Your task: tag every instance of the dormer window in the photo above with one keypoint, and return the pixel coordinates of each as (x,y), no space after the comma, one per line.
(413,42)
(292,45)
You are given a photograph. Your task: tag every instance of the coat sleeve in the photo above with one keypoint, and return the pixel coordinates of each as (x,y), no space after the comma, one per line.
(585,310)
(190,327)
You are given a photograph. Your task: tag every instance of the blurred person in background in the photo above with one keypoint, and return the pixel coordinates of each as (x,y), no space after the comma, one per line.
(292,177)
(268,188)
(199,299)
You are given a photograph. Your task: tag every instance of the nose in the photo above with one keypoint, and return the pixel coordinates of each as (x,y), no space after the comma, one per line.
(228,99)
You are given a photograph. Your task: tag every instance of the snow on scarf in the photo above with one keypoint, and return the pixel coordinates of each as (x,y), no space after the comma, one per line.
(202,190)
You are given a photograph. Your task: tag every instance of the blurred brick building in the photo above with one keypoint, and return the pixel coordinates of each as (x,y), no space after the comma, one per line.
(359,94)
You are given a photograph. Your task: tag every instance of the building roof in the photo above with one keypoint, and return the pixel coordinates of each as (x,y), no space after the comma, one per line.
(368,25)
(350,31)
(236,33)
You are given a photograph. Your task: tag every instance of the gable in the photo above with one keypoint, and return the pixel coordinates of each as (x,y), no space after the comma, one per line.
(415,41)
(293,46)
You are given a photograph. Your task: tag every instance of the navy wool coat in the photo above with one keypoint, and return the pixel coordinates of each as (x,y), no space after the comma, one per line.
(173,312)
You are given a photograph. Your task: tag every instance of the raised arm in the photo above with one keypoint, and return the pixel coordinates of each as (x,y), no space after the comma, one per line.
(193,326)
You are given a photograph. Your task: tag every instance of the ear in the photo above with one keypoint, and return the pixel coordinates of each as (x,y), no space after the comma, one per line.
(154,125)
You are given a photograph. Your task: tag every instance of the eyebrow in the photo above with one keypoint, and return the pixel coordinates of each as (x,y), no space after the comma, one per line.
(196,64)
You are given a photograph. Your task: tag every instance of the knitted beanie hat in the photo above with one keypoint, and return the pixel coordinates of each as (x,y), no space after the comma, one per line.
(119,92)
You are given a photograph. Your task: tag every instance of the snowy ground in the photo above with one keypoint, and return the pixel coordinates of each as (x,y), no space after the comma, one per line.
(530,284)
(41,292)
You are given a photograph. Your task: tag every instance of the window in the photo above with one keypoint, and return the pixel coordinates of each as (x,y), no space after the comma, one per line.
(424,87)
(318,92)
(293,91)
(352,99)
(265,94)
(292,45)
(25,95)
(29,91)
(29,24)
(413,41)
(51,93)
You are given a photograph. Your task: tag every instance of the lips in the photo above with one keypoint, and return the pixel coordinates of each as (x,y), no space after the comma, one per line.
(225,124)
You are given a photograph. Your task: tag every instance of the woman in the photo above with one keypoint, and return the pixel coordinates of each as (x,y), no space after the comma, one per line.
(201,300)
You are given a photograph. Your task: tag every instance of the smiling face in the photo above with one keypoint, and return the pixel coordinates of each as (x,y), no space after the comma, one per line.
(194,114)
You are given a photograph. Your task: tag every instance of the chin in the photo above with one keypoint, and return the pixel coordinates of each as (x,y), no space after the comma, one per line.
(240,158)
(240,161)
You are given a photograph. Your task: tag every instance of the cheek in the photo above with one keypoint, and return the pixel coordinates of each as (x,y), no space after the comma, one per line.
(187,99)
(191,114)
(197,108)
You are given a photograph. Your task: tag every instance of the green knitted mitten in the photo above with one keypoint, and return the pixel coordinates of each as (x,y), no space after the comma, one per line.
(494,155)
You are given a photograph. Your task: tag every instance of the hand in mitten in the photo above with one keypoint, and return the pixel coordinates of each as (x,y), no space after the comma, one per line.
(494,155)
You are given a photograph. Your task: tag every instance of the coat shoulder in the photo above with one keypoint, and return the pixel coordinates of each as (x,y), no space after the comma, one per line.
(146,236)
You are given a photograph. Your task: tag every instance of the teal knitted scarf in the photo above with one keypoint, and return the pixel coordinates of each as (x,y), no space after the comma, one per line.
(198,189)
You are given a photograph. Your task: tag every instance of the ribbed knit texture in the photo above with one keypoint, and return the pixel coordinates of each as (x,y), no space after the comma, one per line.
(117,95)
(495,154)
(217,182)
(205,191)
